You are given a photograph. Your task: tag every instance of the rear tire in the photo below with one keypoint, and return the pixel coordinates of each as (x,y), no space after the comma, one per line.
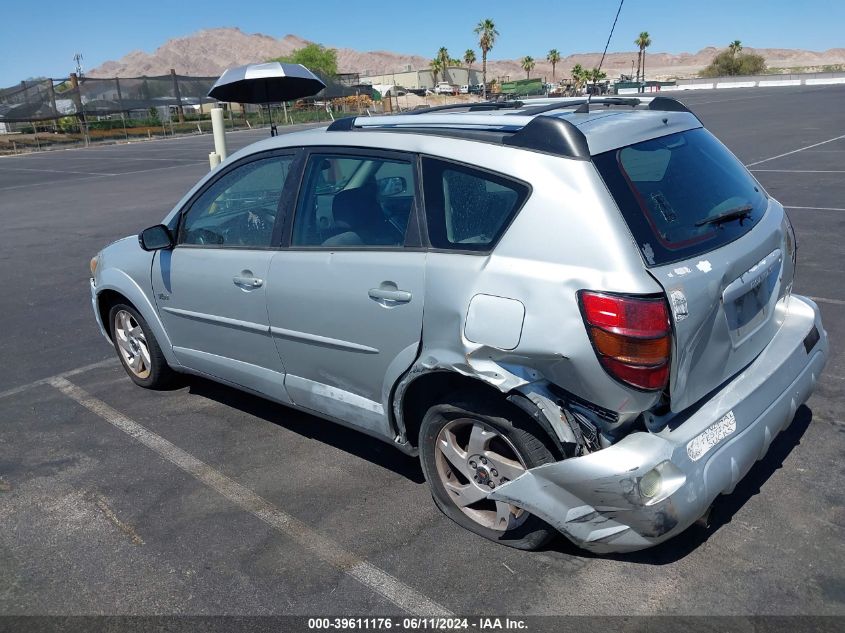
(137,348)
(456,435)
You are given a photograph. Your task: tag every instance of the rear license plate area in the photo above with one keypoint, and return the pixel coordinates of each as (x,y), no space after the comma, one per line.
(748,311)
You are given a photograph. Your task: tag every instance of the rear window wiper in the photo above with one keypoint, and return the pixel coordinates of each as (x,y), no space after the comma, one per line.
(737,213)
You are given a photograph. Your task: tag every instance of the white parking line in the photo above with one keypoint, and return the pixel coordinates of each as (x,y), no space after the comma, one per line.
(57,171)
(125,173)
(112,156)
(393,589)
(815,208)
(694,103)
(795,151)
(803,171)
(65,374)
(836,302)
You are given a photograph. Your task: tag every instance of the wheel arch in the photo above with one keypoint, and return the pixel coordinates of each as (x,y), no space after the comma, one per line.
(106,299)
(115,287)
(430,388)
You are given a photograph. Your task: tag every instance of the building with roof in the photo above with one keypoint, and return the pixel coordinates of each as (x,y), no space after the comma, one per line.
(423,78)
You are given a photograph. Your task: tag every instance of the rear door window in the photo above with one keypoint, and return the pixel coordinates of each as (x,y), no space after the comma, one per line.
(350,201)
(466,208)
(671,189)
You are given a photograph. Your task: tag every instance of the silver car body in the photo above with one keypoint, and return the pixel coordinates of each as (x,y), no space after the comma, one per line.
(311,336)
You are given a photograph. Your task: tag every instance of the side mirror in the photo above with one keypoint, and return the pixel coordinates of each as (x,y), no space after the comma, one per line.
(156,238)
(391,186)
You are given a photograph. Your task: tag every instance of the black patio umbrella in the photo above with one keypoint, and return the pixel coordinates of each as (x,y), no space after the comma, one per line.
(271,82)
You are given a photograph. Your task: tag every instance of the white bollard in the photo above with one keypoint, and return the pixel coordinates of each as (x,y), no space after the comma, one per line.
(218,127)
(213,160)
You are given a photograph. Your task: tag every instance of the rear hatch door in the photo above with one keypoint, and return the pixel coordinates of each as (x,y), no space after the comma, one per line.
(718,245)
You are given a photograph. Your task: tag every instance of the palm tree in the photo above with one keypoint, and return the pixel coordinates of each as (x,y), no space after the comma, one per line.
(469,57)
(486,32)
(553,58)
(579,75)
(527,64)
(443,56)
(642,42)
(435,65)
(735,47)
(595,75)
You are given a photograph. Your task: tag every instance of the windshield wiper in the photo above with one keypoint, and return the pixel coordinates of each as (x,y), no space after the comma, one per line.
(737,213)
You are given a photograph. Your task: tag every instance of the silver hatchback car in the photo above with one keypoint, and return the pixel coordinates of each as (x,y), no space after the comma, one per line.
(578,314)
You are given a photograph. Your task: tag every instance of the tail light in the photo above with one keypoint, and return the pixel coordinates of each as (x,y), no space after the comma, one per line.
(791,241)
(631,337)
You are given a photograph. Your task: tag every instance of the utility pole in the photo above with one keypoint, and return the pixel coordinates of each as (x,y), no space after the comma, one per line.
(179,110)
(80,109)
(54,110)
(74,82)
(120,104)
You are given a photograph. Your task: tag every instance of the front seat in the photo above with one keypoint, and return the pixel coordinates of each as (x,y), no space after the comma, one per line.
(358,210)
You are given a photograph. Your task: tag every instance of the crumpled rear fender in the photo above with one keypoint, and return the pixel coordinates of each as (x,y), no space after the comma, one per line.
(594,499)
(598,500)
(523,386)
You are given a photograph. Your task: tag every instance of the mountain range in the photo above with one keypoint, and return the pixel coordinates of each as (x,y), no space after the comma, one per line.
(209,52)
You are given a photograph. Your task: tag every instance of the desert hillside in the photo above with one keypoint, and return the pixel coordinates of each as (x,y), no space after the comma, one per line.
(209,52)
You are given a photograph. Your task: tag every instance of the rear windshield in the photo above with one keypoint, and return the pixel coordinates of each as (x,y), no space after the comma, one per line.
(668,188)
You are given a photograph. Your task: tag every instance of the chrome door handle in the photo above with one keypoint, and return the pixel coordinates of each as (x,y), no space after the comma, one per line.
(383,294)
(247,282)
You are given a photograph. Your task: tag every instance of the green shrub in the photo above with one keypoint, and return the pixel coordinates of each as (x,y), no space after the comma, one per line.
(314,57)
(727,64)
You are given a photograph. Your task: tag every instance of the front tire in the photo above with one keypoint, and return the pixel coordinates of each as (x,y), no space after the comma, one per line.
(137,348)
(468,449)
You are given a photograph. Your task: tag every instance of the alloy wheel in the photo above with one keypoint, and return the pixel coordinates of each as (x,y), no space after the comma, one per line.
(132,344)
(473,459)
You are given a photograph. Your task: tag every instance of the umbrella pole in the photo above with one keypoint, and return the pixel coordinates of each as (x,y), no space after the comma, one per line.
(270,115)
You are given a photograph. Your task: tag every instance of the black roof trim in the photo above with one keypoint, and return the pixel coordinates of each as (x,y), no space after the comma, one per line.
(345,124)
(584,108)
(667,104)
(476,106)
(551,135)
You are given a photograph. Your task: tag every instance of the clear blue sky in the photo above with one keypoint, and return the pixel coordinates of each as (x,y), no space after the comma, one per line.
(40,38)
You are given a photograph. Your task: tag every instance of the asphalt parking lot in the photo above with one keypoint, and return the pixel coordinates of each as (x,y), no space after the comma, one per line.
(204,500)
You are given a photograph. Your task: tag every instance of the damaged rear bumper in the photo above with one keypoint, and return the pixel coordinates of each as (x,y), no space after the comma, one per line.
(648,487)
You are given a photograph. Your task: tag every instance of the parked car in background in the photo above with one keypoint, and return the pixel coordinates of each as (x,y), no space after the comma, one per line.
(445,88)
(464,89)
(580,319)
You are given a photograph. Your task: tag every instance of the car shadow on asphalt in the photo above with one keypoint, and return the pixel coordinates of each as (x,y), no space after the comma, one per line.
(340,437)
(383,455)
(724,507)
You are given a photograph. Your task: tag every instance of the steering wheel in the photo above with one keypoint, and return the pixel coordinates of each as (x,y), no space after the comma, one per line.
(251,227)
(204,236)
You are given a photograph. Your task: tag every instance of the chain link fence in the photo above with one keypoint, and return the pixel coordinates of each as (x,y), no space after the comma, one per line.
(47,114)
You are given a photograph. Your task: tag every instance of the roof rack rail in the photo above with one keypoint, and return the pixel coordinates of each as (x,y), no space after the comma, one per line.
(660,104)
(584,108)
(479,105)
(548,134)
(549,107)
(551,135)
